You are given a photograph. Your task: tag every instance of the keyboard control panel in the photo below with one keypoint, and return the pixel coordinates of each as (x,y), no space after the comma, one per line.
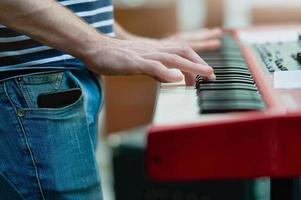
(279,56)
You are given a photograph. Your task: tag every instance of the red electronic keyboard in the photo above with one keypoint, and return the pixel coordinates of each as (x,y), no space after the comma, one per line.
(245,124)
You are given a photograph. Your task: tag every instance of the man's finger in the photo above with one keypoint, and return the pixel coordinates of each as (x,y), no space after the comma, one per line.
(181,63)
(159,71)
(189,79)
(211,34)
(202,46)
(200,35)
(185,52)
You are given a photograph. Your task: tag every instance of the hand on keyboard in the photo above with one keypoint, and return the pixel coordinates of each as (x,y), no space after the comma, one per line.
(203,40)
(164,61)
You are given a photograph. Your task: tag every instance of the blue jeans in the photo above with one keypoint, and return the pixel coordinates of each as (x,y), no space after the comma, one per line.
(49,153)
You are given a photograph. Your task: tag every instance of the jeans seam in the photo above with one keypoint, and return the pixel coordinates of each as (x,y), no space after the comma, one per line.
(12,185)
(27,143)
(21,90)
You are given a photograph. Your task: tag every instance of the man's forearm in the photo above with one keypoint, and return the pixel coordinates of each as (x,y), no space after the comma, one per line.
(49,23)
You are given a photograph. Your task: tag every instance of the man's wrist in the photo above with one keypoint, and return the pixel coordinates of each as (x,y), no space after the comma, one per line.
(88,45)
(94,48)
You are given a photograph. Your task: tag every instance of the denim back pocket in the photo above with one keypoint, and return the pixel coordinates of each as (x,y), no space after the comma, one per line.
(34,85)
(59,138)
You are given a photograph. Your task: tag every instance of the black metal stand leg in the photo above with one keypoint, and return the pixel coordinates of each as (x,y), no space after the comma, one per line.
(282,189)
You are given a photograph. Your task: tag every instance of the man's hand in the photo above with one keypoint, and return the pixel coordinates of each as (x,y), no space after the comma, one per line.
(203,40)
(200,41)
(164,61)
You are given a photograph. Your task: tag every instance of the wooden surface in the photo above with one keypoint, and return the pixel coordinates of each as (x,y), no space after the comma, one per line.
(214,13)
(150,22)
(129,101)
(268,15)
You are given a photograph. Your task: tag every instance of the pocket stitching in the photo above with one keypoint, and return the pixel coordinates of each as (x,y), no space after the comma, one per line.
(30,80)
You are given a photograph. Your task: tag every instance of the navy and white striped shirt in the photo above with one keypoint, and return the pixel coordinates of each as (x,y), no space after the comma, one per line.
(19,52)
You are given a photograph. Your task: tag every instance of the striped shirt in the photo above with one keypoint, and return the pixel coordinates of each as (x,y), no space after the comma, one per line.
(19,52)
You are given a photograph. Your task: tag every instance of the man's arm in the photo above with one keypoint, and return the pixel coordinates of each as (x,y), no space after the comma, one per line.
(51,24)
(200,40)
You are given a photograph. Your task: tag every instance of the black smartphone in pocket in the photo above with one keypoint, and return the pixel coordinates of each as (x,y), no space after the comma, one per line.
(58,99)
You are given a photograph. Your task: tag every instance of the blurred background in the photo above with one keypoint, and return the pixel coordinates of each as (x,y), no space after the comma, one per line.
(130,100)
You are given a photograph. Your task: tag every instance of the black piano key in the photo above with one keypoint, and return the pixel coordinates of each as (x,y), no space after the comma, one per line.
(229,81)
(229,107)
(229,70)
(234,73)
(229,54)
(229,88)
(234,76)
(234,67)
(224,59)
(229,95)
